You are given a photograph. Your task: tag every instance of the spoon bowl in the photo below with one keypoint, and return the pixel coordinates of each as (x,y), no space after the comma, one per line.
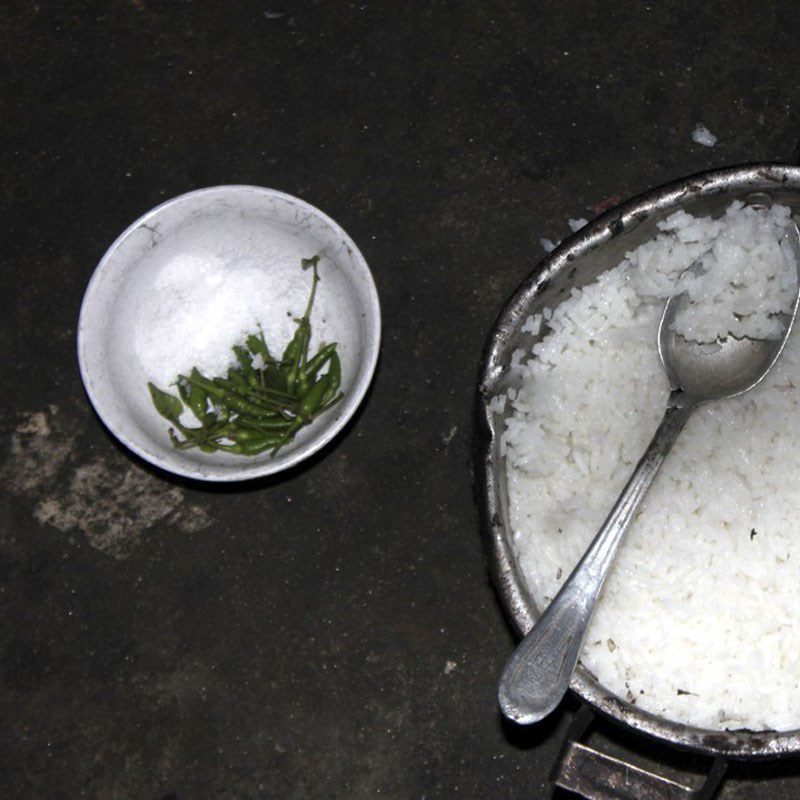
(725,368)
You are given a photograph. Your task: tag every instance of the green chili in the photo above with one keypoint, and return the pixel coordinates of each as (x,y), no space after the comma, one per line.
(335,371)
(169,406)
(258,347)
(315,364)
(296,353)
(222,411)
(184,390)
(212,390)
(312,399)
(270,406)
(328,403)
(300,345)
(275,379)
(235,380)
(266,425)
(290,353)
(334,375)
(244,358)
(267,442)
(238,403)
(198,403)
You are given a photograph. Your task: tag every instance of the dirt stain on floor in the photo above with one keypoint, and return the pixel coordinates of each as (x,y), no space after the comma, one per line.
(111,501)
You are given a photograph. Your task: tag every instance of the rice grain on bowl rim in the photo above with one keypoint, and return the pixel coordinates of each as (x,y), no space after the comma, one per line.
(695,623)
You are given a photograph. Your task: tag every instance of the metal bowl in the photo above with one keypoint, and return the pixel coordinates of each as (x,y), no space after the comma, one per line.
(223,224)
(577,262)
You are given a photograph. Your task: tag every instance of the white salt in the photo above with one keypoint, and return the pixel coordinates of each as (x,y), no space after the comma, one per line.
(198,309)
(548,245)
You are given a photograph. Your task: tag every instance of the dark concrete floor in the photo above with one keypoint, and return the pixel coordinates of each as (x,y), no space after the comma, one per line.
(331,633)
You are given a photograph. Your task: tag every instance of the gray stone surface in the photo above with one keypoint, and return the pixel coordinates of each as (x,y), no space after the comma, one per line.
(330,633)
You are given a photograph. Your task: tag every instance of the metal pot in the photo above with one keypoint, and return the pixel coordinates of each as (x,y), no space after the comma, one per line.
(577,262)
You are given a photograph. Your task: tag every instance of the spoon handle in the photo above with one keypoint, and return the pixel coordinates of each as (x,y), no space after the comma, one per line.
(539,672)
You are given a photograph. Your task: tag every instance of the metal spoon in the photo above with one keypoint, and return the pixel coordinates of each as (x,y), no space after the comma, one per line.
(539,672)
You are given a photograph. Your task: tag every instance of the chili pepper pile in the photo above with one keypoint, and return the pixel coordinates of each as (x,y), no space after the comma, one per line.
(263,401)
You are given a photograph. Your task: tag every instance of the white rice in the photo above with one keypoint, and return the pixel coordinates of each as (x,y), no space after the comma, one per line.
(576,224)
(699,620)
(703,135)
(745,272)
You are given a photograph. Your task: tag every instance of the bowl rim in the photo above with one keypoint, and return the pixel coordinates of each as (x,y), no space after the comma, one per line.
(247,470)
(504,571)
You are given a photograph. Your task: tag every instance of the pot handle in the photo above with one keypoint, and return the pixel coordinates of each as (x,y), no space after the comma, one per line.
(597,776)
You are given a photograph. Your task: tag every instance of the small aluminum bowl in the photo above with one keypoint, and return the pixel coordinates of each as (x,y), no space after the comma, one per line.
(575,263)
(215,223)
